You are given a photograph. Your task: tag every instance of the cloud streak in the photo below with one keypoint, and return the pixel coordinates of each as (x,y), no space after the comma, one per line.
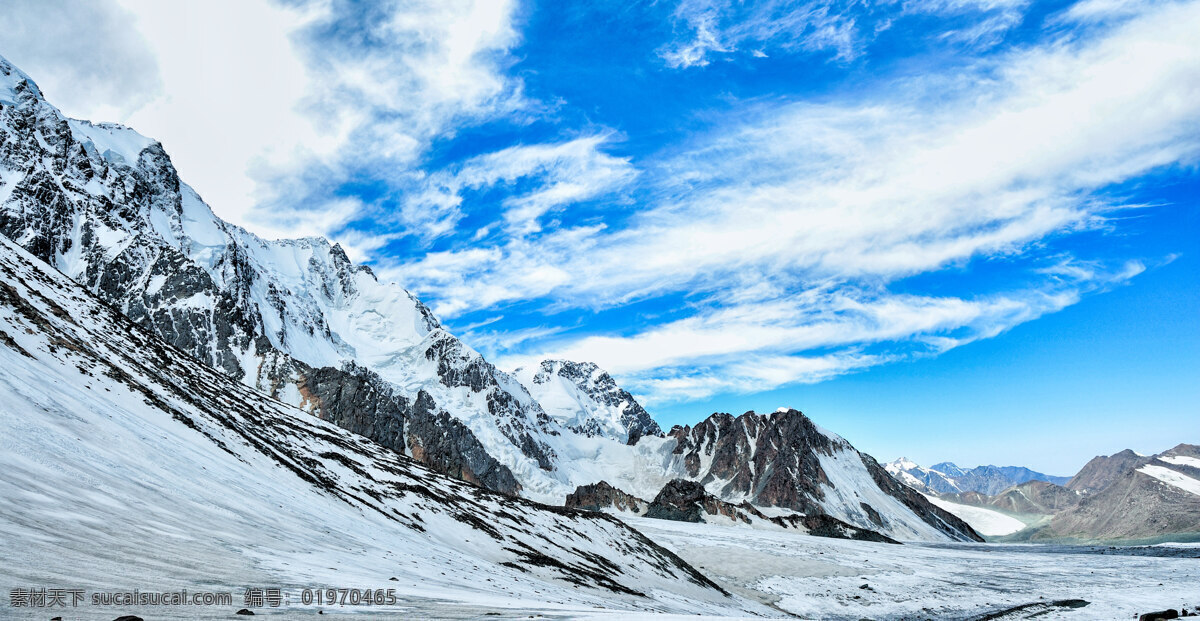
(560,174)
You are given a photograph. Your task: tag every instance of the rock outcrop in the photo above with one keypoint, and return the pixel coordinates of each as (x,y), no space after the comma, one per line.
(602,496)
(687,501)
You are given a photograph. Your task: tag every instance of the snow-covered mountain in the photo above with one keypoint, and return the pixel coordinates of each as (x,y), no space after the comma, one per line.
(947,478)
(299,321)
(294,318)
(923,479)
(587,400)
(126,461)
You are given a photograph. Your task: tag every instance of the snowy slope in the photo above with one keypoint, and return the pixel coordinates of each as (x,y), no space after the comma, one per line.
(985,521)
(1171,477)
(128,464)
(817,578)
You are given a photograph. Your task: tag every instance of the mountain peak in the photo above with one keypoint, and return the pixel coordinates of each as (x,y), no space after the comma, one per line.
(588,400)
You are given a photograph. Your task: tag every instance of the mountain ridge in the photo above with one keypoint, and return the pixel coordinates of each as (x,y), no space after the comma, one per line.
(949,478)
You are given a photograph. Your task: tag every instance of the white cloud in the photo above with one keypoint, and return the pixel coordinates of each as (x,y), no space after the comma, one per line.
(265,107)
(937,173)
(85,55)
(563,173)
(721,26)
(807,337)
(713,29)
(1101,10)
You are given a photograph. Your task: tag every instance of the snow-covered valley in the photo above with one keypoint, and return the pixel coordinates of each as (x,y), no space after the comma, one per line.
(815,578)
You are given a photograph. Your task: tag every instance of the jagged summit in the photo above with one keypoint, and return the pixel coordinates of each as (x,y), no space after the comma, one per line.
(784,460)
(586,399)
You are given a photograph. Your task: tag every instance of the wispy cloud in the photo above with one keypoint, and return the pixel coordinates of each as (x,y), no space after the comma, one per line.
(707,30)
(939,172)
(556,175)
(816,334)
(711,27)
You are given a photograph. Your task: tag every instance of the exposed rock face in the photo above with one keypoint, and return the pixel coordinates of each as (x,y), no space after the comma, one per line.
(600,496)
(783,460)
(742,455)
(687,501)
(1102,470)
(587,400)
(358,400)
(106,206)
(828,526)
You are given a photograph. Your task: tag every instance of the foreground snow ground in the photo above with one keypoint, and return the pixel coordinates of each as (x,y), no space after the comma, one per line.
(795,576)
(819,578)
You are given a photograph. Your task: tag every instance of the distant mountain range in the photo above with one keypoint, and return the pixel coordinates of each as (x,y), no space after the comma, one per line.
(947,478)
(1124,496)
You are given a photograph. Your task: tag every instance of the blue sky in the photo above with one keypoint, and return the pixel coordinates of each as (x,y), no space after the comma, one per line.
(952,229)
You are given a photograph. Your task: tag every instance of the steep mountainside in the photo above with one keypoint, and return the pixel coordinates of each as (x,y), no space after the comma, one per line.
(947,478)
(123,456)
(294,318)
(585,398)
